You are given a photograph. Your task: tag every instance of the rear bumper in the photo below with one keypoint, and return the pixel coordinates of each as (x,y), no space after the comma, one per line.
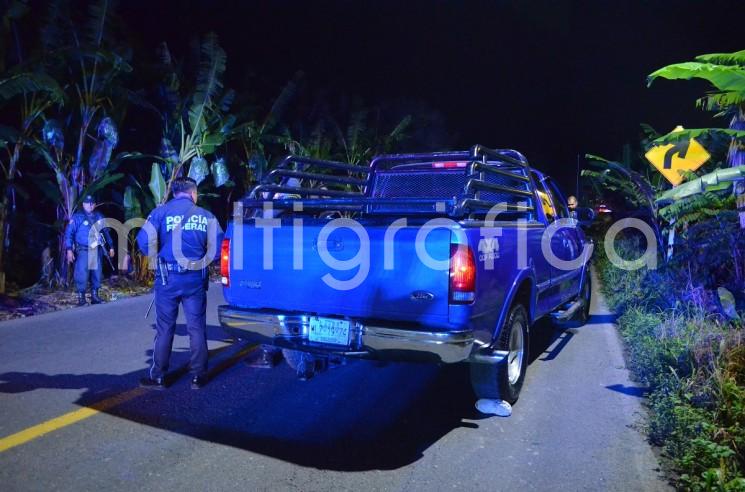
(368,340)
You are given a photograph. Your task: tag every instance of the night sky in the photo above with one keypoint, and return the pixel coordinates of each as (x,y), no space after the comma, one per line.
(551,79)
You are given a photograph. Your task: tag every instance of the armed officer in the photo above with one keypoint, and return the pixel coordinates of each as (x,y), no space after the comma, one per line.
(186,239)
(85,237)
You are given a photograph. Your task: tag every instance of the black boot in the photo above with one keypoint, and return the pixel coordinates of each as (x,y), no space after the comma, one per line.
(156,384)
(199,382)
(81,299)
(94,297)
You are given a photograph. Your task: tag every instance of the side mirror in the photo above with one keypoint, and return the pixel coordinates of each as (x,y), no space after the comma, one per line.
(584,214)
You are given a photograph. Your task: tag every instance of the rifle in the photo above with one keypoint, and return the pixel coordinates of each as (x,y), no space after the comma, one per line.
(103,242)
(163,279)
(152,301)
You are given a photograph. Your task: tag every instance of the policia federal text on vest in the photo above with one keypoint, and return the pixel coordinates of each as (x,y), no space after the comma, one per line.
(181,280)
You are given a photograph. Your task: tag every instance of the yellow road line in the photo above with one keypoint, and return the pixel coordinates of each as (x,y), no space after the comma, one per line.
(70,418)
(75,416)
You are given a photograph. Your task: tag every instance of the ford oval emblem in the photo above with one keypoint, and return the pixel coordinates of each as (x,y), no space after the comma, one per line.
(422,295)
(251,284)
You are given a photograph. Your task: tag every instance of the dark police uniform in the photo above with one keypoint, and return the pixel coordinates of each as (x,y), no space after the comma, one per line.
(175,283)
(79,239)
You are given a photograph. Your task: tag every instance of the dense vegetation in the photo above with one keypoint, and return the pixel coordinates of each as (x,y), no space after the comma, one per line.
(692,356)
(84,111)
(683,322)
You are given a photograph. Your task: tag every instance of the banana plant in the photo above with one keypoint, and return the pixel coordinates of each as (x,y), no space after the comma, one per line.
(78,137)
(32,94)
(726,73)
(195,119)
(29,91)
(258,137)
(362,138)
(318,144)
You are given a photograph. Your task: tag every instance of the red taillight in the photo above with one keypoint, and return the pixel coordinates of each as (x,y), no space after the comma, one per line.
(225,262)
(462,274)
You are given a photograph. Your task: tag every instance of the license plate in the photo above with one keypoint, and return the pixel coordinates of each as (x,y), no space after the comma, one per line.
(328,330)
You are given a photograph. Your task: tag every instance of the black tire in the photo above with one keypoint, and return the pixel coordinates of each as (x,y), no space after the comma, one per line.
(498,381)
(583,314)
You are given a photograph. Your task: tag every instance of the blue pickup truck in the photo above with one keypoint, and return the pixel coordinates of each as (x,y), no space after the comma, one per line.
(445,257)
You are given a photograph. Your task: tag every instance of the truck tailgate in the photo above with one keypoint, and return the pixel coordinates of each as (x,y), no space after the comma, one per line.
(408,292)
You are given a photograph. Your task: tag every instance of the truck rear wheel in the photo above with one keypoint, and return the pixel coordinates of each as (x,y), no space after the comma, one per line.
(504,380)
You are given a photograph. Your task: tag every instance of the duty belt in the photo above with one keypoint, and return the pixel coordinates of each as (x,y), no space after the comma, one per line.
(190,266)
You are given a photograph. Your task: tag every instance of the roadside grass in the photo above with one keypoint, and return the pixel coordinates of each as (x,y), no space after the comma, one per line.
(692,357)
(40,299)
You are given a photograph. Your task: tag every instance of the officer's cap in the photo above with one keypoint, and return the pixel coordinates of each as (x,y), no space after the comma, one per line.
(89,199)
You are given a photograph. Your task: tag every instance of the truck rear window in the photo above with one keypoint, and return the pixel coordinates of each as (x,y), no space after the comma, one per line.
(445,184)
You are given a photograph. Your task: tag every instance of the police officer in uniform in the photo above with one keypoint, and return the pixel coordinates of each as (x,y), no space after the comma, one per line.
(83,238)
(181,277)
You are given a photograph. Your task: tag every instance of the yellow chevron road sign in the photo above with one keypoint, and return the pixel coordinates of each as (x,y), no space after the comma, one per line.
(686,155)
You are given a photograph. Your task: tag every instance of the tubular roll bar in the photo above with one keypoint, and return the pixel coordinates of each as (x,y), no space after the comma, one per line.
(473,204)
(356,205)
(292,190)
(480,164)
(283,172)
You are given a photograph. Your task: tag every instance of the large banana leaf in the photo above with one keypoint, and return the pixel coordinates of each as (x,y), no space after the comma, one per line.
(226,100)
(640,183)
(146,199)
(99,13)
(98,55)
(736,58)
(100,184)
(282,102)
(678,135)
(227,125)
(157,184)
(24,83)
(723,77)
(132,206)
(210,142)
(718,180)
(53,30)
(209,81)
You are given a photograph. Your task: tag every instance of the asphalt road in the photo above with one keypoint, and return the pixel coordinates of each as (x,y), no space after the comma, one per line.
(73,418)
